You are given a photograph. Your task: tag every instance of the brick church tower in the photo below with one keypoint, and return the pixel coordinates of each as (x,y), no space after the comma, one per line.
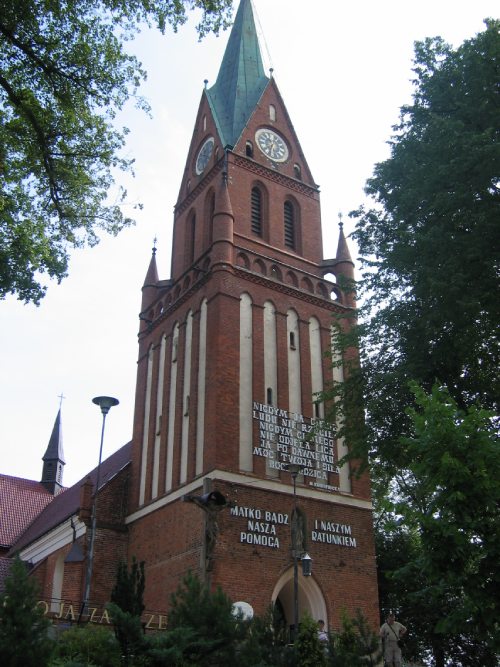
(231,358)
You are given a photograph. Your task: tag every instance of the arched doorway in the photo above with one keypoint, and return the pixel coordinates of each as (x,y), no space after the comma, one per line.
(310,597)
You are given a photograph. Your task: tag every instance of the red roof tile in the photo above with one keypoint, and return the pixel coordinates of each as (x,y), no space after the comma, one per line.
(67,502)
(21,501)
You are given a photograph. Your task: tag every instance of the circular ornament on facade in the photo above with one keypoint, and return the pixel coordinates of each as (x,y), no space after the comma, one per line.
(204,155)
(243,609)
(271,144)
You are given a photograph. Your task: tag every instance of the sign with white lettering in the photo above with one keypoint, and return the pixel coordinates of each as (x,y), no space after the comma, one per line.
(331,532)
(288,437)
(261,528)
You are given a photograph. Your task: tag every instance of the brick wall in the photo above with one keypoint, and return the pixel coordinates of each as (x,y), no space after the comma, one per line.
(170,542)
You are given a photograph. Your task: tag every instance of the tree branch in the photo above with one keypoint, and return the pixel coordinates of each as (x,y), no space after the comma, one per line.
(42,141)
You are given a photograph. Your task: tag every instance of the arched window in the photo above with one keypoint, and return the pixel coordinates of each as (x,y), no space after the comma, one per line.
(297,171)
(256,211)
(249,149)
(289,224)
(272,112)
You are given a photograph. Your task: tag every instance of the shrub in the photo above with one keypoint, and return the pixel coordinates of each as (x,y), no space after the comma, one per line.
(88,646)
(23,628)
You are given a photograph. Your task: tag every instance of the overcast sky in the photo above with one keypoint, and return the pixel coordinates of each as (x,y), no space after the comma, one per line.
(343,69)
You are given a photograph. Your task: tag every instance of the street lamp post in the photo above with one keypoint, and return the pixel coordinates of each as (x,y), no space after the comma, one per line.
(105,403)
(294,469)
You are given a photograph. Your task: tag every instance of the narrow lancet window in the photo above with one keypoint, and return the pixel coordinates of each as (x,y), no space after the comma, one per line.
(256,211)
(289,224)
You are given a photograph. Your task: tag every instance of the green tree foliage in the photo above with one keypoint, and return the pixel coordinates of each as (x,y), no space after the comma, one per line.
(24,640)
(205,622)
(430,315)
(452,496)
(89,646)
(128,592)
(267,641)
(404,586)
(172,648)
(126,607)
(430,245)
(309,650)
(356,645)
(64,73)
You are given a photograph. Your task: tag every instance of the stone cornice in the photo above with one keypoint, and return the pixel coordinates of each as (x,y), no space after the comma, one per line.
(252,482)
(180,207)
(290,290)
(53,540)
(276,176)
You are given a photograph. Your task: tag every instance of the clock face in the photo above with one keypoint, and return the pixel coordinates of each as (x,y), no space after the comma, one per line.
(204,155)
(272,145)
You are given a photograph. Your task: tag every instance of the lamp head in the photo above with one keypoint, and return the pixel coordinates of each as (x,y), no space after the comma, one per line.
(294,469)
(306,565)
(105,403)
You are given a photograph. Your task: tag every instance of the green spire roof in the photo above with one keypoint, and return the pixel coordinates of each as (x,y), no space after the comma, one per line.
(241,79)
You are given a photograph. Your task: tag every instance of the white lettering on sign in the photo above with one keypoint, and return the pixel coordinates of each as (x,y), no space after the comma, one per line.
(331,532)
(262,540)
(246,512)
(332,527)
(330,538)
(287,437)
(261,525)
(325,487)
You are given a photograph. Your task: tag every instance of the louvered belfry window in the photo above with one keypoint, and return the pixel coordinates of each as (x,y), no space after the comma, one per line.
(289,220)
(256,206)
